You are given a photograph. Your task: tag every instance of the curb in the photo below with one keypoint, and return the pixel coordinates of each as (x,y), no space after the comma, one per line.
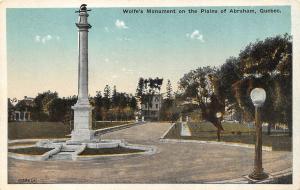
(148,150)
(246,180)
(264,148)
(116,128)
(35,140)
(165,133)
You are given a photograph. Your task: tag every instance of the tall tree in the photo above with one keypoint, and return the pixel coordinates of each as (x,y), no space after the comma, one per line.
(169,90)
(267,64)
(133,103)
(167,110)
(106,98)
(41,105)
(140,90)
(98,99)
(107,91)
(203,85)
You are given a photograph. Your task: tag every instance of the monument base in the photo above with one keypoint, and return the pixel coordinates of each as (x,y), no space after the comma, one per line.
(83,135)
(82,123)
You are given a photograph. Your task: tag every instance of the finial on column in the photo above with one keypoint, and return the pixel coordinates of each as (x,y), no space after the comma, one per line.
(83,8)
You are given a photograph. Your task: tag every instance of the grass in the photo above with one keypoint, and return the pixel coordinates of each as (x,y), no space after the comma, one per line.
(233,132)
(106,124)
(45,130)
(108,151)
(30,150)
(37,130)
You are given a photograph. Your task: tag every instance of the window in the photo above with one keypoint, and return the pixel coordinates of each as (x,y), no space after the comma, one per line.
(156,105)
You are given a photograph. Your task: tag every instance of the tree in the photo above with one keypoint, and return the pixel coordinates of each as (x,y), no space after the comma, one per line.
(106,98)
(114,98)
(169,90)
(98,105)
(10,108)
(167,107)
(57,109)
(41,105)
(133,103)
(140,90)
(267,64)
(228,74)
(203,85)
(60,109)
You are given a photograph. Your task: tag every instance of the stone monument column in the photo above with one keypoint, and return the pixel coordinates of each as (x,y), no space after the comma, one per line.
(82,109)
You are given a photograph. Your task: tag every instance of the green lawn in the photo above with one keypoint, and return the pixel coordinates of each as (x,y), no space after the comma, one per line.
(233,132)
(37,130)
(43,130)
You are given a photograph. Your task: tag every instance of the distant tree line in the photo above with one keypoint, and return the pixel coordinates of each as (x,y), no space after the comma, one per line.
(48,106)
(114,105)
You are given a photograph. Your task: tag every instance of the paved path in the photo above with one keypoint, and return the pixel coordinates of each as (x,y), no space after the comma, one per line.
(185,130)
(174,162)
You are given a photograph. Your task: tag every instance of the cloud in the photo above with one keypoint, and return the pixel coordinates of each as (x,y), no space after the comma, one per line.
(195,35)
(37,38)
(124,39)
(106,60)
(48,37)
(44,39)
(120,24)
(106,29)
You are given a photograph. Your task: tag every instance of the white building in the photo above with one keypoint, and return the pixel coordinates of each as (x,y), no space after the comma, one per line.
(150,110)
(21,110)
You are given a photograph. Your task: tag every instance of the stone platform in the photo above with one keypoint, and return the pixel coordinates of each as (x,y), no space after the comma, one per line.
(70,150)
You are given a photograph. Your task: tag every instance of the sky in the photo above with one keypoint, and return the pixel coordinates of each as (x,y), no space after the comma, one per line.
(42,45)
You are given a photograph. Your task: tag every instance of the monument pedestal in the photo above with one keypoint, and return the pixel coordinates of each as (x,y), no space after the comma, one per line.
(82,123)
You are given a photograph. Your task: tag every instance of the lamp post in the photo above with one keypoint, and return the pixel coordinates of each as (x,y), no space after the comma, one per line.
(219,115)
(258,97)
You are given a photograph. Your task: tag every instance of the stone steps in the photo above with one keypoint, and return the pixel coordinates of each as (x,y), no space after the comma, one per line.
(66,152)
(62,156)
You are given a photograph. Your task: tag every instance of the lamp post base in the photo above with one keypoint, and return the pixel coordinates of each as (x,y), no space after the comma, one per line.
(258,175)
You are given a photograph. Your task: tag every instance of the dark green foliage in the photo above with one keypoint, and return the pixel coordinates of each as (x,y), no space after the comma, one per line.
(60,108)
(106,97)
(266,64)
(202,85)
(118,106)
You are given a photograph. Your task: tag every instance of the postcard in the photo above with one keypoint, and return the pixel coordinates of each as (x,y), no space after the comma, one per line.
(149,94)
